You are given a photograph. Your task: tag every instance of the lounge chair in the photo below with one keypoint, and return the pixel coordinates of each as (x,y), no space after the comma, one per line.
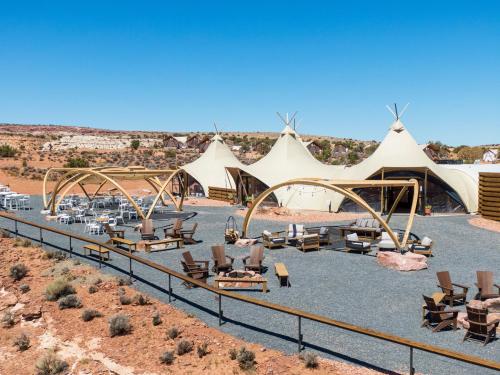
(253,262)
(437,317)
(451,294)
(386,242)
(222,262)
(423,247)
(322,232)
(485,286)
(196,269)
(295,232)
(187,234)
(479,327)
(364,227)
(308,242)
(353,244)
(175,231)
(272,240)
(114,232)
(147,230)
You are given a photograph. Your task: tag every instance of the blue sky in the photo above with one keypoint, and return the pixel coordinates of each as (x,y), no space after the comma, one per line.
(180,67)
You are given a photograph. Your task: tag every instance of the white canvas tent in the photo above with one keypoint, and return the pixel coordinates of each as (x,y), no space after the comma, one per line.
(210,168)
(399,150)
(290,159)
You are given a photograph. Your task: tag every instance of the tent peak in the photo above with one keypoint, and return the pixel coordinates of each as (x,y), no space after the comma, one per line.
(397,126)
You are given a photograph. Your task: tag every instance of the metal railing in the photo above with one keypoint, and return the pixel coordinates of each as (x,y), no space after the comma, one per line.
(300,314)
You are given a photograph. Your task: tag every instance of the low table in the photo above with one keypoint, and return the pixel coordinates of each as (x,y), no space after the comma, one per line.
(245,279)
(167,241)
(132,246)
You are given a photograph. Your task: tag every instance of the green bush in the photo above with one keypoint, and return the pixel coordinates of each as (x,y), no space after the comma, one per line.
(202,350)
(310,360)
(134,144)
(93,289)
(57,289)
(246,358)
(233,353)
(184,347)
(22,342)
(167,358)
(125,300)
(156,319)
(18,271)
(8,319)
(172,333)
(7,151)
(24,288)
(50,365)
(89,314)
(119,325)
(69,302)
(76,163)
(140,300)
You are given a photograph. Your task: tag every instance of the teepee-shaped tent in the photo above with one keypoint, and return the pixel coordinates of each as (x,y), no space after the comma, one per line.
(399,150)
(289,159)
(210,168)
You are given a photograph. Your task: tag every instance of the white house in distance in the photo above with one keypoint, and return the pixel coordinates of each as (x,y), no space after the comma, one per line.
(490,156)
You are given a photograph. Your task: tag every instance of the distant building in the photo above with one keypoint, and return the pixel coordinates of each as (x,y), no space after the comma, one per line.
(174,142)
(490,156)
(236,148)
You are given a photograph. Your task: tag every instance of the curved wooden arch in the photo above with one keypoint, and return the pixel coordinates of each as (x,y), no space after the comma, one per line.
(332,185)
(163,189)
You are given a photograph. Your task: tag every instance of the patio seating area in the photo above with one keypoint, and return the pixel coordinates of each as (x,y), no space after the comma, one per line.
(10,200)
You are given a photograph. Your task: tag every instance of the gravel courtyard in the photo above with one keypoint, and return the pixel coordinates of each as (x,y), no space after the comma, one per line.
(347,287)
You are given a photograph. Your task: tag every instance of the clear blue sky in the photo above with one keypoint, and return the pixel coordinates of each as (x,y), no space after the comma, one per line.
(164,66)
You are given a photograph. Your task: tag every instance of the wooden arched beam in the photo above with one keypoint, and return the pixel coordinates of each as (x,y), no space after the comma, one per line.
(90,173)
(178,205)
(345,192)
(71,186)
(47,201)
(163,189)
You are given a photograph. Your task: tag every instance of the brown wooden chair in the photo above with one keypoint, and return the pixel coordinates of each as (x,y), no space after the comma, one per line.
(187,235)
(437,318)
(451,294)
(120,233)
(147,230)
(485,286)
(222,262)
(253,262)
(197,269)
(175,231)
(479,328)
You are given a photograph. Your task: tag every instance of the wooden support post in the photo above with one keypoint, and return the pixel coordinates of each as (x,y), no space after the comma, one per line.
(425,187)
(382,195)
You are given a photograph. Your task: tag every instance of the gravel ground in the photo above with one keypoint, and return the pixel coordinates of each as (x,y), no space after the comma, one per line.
(347,287)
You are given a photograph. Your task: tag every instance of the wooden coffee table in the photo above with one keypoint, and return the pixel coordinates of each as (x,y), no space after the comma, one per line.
(255,280)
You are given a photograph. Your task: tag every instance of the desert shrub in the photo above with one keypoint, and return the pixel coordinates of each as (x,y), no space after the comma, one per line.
(77,163)
(57,289)
(56,255)
(125,300)
(167,358)
(139,299)
(156,319)
(22,242)
(310,360)
(119,325)
(18,271)
(50,365)
(4,233)
(202,350)
(233,353)
(7,151)
(89,314)
(93,289)
(122,281)
(22,342)
(172,333)
(69,302)
(184,347)
(8,319)
(76,262)
(135,144)
(24,288)
(246,358)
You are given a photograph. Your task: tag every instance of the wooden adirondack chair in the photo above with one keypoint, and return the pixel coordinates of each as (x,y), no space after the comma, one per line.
(437,317)
(120,233)
(485,286)
(147,230)
(187,235)
(222,262)
(175,231)
(253,262)
(451,294)
(197,269)
(479,328)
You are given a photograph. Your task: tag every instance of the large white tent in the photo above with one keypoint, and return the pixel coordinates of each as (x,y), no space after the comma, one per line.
(399,150)
(290,159)
(210,168)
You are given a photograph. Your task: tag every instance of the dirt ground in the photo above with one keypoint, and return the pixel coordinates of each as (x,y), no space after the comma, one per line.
(485,224)
(300,216)
(88,347)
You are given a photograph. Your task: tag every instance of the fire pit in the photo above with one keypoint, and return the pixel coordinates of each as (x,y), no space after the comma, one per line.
(238,274)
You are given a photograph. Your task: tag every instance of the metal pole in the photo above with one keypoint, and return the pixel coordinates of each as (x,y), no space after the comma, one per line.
(220,310)
(70,247)
(169,288)
(41,238)
(130,273)
(412,369)
(300,334)
(15,223)
(100,256)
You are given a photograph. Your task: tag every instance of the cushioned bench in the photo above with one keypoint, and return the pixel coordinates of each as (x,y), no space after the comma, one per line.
(167,241)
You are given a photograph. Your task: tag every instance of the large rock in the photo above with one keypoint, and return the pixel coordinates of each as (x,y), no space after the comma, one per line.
(7,299)
(407,262)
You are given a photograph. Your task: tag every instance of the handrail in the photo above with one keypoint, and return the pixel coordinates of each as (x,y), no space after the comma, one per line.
(462,357)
